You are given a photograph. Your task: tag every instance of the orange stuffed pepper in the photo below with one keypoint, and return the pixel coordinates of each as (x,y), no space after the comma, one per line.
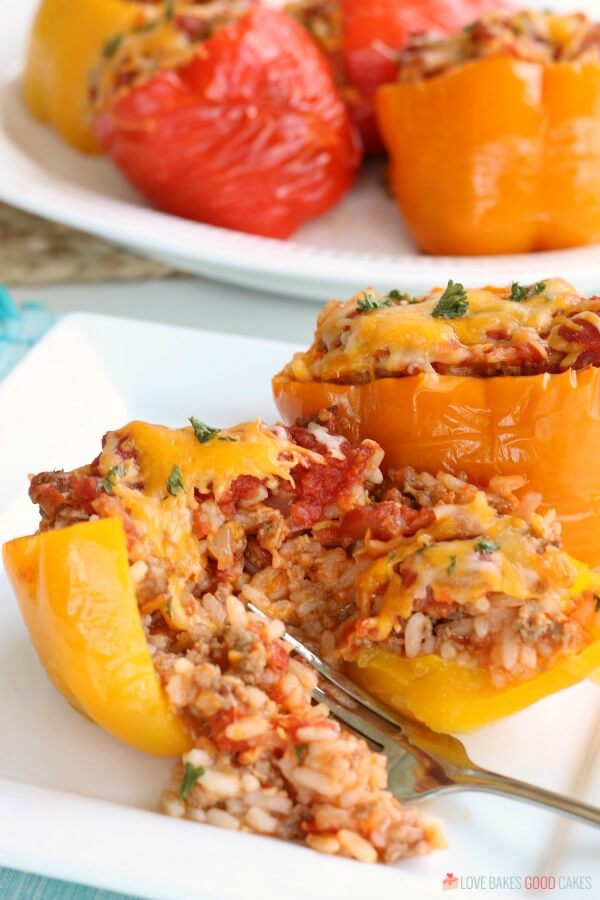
(494,382)
(494,136)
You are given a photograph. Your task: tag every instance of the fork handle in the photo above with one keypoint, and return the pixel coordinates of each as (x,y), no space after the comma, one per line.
(492,783)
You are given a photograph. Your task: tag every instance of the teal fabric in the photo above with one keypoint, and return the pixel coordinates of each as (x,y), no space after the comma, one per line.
(19,886)
(20,328)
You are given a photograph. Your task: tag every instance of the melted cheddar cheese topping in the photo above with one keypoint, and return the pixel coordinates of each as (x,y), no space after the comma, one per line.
(406,337)
(148,455)
(248,449)
(469,554)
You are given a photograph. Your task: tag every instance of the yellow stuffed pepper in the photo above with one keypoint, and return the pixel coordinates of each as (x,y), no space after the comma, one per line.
(134,593)
(68,39)
(492,382)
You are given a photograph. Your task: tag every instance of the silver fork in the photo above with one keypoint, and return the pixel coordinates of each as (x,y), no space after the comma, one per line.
(421,763)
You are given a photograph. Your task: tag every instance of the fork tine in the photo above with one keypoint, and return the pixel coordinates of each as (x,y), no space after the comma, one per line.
(369,718)
(351,720)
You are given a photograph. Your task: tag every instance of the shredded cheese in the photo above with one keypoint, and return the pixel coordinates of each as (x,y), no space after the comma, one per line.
(403,338)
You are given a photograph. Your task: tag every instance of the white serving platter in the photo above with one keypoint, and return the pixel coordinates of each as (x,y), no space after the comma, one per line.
(76,804)
(362,242)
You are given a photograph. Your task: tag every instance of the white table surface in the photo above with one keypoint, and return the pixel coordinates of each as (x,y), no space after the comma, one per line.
(195,302)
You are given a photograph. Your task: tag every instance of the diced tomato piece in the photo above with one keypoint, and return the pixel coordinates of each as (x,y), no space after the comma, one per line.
(84,488)
(200,525)
(322,485)
(385,521)
(277,656)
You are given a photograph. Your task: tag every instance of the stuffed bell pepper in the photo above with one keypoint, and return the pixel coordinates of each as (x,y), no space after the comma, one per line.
(481,383)
(363,40)
(226,113)
(494,136)
(135,590)
(67,39)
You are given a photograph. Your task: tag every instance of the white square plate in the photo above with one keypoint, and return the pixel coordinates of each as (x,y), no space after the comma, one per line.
(76,804)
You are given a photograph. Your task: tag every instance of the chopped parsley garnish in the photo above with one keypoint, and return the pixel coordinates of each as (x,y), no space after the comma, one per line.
(485,546)
(597,599)
(300,750)
(175,484)
(520,292)
(203,432)
(452,565)
(107,483)
(169,10)
(112,45)
(453,303)
(190,777)
(367,303)
(169,608)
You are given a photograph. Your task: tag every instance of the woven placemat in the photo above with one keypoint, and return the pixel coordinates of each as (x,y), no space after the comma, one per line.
(34,251)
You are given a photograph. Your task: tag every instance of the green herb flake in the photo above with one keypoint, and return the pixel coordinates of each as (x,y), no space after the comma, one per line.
(597,599)
(169,10)
(169,608)
(368,303)
(175,483)
(107,483)
(203,432)
(190,777)
(300,750)
(402,297)
(112,45)
(453,303)
(521,292)
(452,565)
(483,545)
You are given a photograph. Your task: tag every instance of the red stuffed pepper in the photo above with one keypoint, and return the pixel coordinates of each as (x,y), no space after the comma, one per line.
(363,39)
(226,113)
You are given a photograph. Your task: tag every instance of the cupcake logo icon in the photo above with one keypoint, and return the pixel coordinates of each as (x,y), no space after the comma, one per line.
(450,882)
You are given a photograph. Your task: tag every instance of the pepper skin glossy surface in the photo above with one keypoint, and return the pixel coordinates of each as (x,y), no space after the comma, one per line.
(545,427)
(78,602)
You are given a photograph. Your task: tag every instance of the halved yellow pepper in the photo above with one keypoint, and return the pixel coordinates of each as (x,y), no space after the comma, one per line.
(66,42)
(78,602)
(451,698)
